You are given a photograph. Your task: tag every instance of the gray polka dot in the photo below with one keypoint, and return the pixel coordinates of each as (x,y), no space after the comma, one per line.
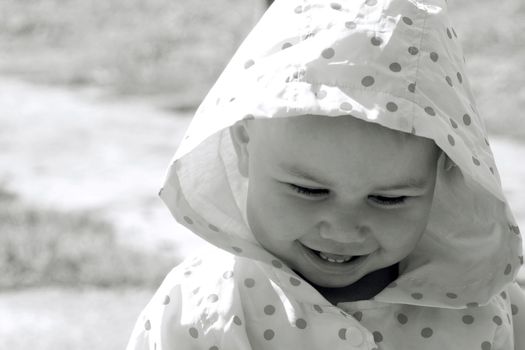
(345,106)
(392,285)
(350,25)
(321,94)
(466,119)
(508,269)
(402,318)
(430,111)
(248,117)
(376,41)
(452,295)
(227,275)
(514,309)
(249,282)
(187,273)
(166,300)
(285,46)
(497,320)
(194,332)
(395,67)
(427,332)
(249,63)
(294,281)
(342,333)
(277,264)
(269,310)
(407,20)
(237,320)
(453,123)
(473,304)
(475,161)
(196,290)
(460,77)
(468,319)
(449,34)
(358,315)
(434,56)
(300,323)
(391,106)
(371,2)
(367,81)
(503,295)
(269,334)
(486,345)
(213,228)
(212,298)
(188,220)
(214,348)
(237,249)
(298,9)
(449,80)
(417,296)
(412,87)
(413,50)
(318,309)
(147,325)
(452,143)
(378,337)
(328,53)
(335,6)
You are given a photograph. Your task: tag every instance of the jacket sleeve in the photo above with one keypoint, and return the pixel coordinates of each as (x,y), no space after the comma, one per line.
(517,299)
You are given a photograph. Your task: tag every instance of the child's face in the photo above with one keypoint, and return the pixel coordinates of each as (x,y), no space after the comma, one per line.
(338,186)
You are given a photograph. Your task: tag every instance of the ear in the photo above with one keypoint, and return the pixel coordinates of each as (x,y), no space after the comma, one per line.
(240,140)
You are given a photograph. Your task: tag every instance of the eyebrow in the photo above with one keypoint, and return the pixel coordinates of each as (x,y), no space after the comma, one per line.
(409,183)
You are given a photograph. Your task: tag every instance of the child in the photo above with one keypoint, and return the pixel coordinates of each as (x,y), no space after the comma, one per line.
(342,168)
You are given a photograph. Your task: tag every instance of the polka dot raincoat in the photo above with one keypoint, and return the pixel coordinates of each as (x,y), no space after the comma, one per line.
(392,62)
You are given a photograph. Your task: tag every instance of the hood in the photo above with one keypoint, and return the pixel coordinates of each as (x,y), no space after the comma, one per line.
(397,63)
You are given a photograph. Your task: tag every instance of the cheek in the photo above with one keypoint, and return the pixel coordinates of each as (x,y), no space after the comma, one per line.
(398,233)
(276,216)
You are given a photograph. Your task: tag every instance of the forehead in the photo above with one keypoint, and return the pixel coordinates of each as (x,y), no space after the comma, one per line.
(338,146)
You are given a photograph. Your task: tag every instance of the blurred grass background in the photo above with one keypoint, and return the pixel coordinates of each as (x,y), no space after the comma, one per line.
(136,47)
(168,53)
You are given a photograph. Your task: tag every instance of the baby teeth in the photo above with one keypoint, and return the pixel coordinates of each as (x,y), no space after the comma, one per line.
(334,260)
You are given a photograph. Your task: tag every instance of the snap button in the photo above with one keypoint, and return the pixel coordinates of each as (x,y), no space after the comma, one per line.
(354,336)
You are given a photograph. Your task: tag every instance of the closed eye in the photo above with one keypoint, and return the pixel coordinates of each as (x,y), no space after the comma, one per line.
(388,201)
(312,192)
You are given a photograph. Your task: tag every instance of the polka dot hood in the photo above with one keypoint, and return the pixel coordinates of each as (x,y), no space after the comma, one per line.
(397,63)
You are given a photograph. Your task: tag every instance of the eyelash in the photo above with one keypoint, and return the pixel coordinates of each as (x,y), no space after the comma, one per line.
(382,200)
(313,192)
(389,200)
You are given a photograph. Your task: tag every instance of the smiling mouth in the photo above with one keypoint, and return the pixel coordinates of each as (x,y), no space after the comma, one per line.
(335,258)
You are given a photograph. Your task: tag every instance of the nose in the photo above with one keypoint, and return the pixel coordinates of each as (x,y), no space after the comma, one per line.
(356,234)
(344,228)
